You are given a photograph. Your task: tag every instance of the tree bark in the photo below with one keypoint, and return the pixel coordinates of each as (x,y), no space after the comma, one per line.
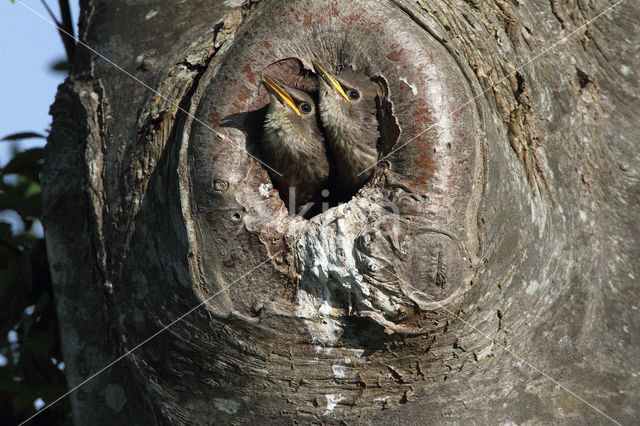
(486,273)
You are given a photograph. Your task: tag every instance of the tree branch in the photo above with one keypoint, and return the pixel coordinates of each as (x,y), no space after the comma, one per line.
(67,24)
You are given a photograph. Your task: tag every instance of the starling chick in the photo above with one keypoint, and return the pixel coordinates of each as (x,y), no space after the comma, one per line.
(293,145)
(347,107)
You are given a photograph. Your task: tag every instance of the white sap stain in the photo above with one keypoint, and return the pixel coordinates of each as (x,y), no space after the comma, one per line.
(326,250)
(413,87)
(325,330)
(443,120)
(322,350)
(582,215)
(532,287)
(340,371)
(331,284)
(150,14)
(228,406)
(625,70)
(332,401)
(325,308)
(484,352)
(264,189)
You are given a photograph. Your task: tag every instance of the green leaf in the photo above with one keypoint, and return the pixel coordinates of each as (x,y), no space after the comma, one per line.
(27,322)
(38,343)
(22,135)
(7,385)
(24,400)
(61,65)
(41,303)
(32,190)
(12,292)
(5,231)
(28,208)
(26,163)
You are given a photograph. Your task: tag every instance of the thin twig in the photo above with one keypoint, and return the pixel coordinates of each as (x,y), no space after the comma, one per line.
(67,25)
(46,6)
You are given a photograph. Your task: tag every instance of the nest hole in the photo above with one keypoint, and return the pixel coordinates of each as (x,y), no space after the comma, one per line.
(291,72)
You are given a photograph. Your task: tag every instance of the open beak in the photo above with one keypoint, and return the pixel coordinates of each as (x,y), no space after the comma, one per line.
(279,91)
(328,78)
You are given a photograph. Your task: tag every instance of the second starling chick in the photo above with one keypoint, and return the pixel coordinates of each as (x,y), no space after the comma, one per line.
(347,104)
(293,145)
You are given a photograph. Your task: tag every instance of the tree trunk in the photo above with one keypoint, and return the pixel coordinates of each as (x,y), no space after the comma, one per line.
(486,273)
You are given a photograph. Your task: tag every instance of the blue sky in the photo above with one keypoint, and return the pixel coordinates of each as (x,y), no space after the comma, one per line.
(27,87)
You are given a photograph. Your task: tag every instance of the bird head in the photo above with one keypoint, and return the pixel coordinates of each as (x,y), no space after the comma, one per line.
(287,101)
(291,115)
(348,96)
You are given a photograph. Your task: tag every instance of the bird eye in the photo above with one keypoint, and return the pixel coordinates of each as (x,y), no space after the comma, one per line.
(353,94)
(305,107)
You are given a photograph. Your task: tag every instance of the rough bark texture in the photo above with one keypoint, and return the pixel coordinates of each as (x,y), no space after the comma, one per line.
(494,252)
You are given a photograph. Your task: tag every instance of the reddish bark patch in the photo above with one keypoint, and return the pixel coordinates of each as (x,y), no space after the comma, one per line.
(425,161)
(295,15)
(355,16)
(395,55)
(240,104)
(243,95)
(231,262)
(422,112)
(247,71)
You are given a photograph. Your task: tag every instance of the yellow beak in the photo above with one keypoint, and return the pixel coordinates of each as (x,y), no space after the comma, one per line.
(280,92)
(330,80)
